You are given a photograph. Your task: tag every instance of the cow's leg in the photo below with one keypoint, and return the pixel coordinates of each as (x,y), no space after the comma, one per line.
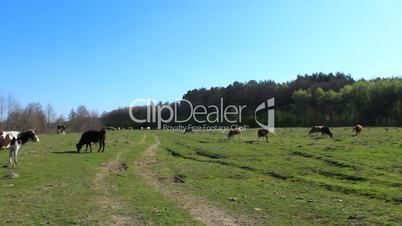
(10,159)
(13,156)
(90,147)
(16,156)
(103,145)
(100,145)
(86,147)
(266,138)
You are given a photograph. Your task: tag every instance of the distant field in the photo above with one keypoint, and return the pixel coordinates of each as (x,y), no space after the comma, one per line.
(170,178)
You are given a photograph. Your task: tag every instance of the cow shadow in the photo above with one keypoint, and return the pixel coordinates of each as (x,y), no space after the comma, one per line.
(252,141)
(70,152)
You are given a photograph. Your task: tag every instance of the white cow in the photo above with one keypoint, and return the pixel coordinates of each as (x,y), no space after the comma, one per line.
(17,143)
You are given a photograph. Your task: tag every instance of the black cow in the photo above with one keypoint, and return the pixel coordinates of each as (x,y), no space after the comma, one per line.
(263,133)
(92,136)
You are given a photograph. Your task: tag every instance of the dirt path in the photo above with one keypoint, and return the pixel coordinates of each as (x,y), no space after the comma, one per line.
(106,202)
(198,207)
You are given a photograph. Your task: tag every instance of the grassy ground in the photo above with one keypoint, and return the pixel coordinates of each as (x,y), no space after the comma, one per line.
(292,179)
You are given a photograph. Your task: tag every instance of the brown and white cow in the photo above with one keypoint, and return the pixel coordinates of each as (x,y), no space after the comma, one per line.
(6,137)
(235,131)
(358,129)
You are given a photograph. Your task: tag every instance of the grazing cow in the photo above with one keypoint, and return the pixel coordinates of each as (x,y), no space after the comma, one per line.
(263,133)
(358,129)
(315,129)
(6,138)
(92,136)
(326,131)
(17,142)
(235,131)
(61,129)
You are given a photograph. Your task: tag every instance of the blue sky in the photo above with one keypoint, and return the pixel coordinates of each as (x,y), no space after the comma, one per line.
(104,54)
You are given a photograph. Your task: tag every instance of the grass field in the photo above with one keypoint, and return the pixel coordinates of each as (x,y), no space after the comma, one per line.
(167,178)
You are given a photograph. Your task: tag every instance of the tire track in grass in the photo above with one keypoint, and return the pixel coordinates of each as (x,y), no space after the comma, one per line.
(331,187)
(198,207)
(105,201)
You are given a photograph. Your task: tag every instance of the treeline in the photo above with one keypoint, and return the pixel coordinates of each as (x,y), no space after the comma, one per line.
(43,118)
(331,99)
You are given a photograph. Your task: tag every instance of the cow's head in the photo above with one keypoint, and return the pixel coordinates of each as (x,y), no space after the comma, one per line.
(32,136)
(79,146)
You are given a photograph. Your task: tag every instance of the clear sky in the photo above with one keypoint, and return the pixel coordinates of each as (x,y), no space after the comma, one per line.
(104,54)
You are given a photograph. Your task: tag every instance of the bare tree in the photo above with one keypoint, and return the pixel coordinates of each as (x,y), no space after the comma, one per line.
(60,120)
(12,113)
(2,108)
(50,115)
(81,119)
(34,117)
(12,104)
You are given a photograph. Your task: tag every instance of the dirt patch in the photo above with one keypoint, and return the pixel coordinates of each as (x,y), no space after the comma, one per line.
(178,179)
(11,175)
(105,201)
(121,220)
(198,207)
(115,166)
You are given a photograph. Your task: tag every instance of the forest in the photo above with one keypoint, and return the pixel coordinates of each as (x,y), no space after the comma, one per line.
(333,99)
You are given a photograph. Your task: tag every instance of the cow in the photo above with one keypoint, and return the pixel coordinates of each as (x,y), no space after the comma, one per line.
(92,136)
(326,131)
(315,129)
(263,133)
(18,142)
(61,129)
(358,129)
(6,138)
(235,131)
